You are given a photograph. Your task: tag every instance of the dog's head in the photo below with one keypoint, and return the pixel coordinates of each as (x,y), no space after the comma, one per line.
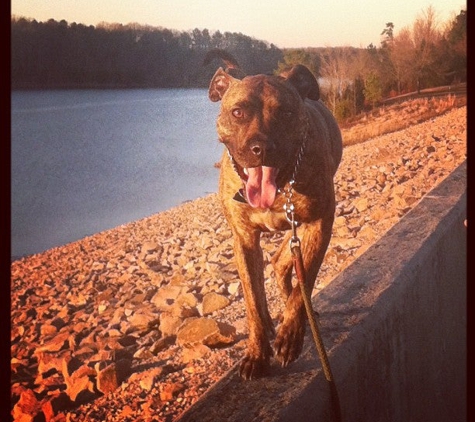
(262,122)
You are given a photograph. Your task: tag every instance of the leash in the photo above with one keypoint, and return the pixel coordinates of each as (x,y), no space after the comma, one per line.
(300,273)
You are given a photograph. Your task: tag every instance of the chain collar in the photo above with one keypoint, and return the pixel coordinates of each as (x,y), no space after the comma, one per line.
(288,192)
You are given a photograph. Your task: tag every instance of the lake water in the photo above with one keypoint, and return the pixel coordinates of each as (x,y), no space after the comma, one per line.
(84,161)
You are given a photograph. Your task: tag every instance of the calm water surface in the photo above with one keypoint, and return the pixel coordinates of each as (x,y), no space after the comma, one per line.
(87,161)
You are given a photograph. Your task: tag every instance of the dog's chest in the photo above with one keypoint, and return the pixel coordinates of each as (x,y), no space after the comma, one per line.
(270,220)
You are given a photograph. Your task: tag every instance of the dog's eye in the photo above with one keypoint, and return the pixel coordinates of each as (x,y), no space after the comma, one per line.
(238,113)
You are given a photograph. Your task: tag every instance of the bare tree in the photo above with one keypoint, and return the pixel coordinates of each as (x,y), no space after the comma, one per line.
(413,53)
(401,53)
(338,74)
(426,37)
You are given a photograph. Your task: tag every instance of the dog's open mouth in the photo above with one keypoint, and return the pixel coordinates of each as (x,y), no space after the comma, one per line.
(261,187)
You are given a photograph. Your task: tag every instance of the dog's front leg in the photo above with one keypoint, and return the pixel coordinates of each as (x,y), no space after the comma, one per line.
(314,242)
(250,264)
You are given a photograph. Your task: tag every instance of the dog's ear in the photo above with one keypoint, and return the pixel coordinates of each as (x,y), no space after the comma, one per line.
(219,85)
(304,81)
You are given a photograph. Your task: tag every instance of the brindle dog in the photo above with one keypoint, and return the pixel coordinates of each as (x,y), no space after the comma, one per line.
(275,129)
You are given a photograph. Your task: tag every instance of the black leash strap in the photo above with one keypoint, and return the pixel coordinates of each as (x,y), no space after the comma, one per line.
(300,272)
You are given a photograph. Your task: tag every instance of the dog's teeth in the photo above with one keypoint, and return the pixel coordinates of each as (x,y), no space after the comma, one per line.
(246,172)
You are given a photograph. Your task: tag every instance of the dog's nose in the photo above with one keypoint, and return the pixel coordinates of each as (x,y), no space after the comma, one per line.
(256,150)
(261,148)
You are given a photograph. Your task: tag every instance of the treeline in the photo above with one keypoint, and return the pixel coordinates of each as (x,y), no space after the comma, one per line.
(428,54)
(56,54)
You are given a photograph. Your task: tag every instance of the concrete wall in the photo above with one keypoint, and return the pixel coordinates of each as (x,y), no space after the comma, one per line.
(394,326)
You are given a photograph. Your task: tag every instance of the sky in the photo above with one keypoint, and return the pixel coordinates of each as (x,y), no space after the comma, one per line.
(284,23)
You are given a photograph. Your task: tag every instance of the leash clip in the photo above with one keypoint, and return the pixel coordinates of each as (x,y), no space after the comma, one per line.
(289,209)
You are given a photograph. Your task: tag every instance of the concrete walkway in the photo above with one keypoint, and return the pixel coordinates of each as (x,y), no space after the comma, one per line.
(394,325)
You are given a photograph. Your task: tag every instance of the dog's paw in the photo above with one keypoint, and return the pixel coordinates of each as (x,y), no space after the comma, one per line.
(289,341)
(252,368)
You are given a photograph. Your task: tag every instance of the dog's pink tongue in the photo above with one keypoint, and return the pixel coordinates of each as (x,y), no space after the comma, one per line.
(260,186)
